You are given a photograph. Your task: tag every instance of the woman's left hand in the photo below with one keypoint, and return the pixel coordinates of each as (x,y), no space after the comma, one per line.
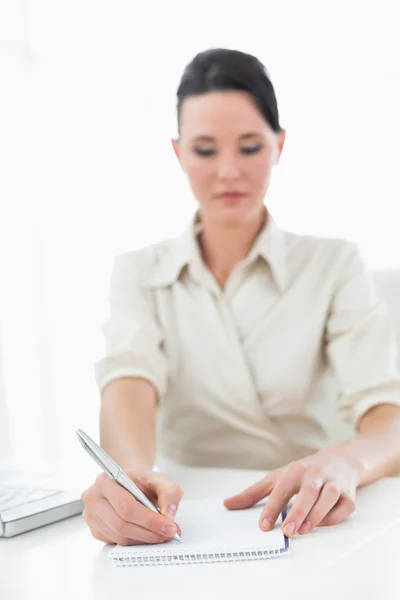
(325,485)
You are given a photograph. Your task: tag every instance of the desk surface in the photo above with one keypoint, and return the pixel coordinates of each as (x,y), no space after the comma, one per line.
(358,558)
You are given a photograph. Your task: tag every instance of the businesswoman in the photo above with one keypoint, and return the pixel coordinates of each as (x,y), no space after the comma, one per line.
(228,335)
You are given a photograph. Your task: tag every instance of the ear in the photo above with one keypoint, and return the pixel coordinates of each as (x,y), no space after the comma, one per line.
(176,147)
(279,145)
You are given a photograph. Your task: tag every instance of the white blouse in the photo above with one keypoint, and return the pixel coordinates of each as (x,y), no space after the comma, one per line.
(246,376)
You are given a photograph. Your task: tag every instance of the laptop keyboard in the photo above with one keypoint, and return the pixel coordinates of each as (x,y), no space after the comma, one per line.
(11,496)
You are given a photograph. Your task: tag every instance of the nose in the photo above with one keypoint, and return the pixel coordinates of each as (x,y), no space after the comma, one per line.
(228,166)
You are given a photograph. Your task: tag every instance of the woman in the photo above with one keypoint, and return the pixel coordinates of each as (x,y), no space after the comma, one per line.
(229,332)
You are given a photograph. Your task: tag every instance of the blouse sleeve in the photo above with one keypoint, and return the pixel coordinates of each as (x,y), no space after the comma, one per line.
(133,338)
(361,342)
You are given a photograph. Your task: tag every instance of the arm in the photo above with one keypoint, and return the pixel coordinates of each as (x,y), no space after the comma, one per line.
(127,422)
(376,448)
(132,375)
(326,482)
(127,431)
(361,346)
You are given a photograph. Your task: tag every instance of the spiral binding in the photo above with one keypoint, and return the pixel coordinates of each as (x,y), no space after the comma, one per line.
(145,559)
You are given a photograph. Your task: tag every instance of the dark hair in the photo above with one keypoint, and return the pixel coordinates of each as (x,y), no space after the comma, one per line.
(220,69)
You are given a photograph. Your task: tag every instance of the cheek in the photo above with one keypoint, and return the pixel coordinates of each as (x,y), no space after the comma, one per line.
(259,171)
(199,172)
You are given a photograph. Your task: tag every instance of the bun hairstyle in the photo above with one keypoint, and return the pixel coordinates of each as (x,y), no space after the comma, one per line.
(221,69)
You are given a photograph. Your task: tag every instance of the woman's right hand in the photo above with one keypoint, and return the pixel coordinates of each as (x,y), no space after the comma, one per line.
(114,516)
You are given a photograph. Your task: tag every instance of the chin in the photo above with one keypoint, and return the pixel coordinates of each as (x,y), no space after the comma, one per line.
(236,215)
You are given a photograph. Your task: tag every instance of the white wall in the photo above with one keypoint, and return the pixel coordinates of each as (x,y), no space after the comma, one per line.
(86,112)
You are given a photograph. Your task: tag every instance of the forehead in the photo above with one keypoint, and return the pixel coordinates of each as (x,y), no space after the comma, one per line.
(220,113)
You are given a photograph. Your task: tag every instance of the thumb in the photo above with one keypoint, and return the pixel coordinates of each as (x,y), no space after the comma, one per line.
(169,494)
(251,495)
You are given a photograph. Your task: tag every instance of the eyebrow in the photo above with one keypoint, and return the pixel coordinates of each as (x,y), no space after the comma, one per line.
(208,138)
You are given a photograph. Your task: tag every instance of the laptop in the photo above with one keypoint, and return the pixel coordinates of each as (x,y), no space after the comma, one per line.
(24,507)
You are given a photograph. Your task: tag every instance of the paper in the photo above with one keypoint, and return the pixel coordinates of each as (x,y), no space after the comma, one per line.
(210,533)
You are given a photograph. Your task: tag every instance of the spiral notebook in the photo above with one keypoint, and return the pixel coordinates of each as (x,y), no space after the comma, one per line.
(210,533)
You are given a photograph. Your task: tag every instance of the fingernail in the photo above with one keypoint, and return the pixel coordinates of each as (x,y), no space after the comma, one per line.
(267,524)
(288,530)
(305,528)
(171,511)
(169,530)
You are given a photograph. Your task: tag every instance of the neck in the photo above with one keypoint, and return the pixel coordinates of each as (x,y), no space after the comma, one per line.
(223,247)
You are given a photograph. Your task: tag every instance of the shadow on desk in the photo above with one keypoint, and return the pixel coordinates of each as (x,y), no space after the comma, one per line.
(219,581)
(67,528)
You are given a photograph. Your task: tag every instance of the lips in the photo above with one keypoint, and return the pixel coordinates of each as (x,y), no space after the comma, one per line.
(231,193)
(231,197)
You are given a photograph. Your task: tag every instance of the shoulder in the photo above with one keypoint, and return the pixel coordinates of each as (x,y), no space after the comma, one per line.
(325,249)
(140,265)
(324,257)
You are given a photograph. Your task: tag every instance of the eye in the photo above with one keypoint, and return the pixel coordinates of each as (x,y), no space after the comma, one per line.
(251,149)
(204,151)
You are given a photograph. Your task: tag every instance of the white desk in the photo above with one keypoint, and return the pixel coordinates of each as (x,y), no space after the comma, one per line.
(356,559)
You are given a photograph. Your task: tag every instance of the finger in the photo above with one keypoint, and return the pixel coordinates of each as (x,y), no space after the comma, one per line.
(100,531)
(328,498)
(310,489)
(287,485)
(251,495)
(131,531)
(343,509)
(131,511)
(104,534)
(100,536)
(169,494)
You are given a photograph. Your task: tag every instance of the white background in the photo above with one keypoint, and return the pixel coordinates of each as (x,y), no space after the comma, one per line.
(87,110)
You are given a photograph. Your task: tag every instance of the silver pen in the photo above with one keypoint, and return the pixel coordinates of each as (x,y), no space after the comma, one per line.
(109,466)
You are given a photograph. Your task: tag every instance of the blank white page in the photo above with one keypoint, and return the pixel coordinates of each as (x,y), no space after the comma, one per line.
(210,533)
